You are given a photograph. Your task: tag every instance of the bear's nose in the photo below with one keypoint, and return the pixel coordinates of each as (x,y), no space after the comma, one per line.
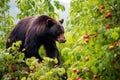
(63,41)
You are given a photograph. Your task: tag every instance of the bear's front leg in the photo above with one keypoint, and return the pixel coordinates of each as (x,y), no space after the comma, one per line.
(30,52)
(31,49)
(52,50)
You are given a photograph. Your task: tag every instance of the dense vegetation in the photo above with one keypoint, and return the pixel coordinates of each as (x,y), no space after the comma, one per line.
(92,50)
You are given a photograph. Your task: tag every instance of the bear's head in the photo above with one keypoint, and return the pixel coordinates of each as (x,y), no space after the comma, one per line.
(56,30)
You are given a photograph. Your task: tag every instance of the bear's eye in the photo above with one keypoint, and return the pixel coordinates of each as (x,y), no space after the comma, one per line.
(59,31)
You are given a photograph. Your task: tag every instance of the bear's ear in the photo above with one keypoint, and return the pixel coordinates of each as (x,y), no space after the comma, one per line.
(50,23)
(61,21)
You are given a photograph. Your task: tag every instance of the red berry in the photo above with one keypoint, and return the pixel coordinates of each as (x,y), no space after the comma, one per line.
(87,58)
(75,70)
(13,68)
(116,43)
(117,68)
(88,69)
(78,78)
(86,40)
(111,47)
(108,15)
(95,35)
(107,26)
(56,66)
(114,61)
(102,7)
(86,36)
(95,76)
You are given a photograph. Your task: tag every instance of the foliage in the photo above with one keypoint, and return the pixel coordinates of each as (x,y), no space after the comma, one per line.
(93,40)
(13,67)
(91,51)
(6,21)
(38,7)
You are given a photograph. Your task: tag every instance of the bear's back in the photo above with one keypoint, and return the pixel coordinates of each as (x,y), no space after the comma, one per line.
(19,31)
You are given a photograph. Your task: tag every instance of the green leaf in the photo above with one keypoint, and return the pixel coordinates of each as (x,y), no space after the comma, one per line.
(115,35)
(94,69)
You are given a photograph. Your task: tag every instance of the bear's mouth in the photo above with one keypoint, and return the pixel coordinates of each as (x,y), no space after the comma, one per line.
(61,39)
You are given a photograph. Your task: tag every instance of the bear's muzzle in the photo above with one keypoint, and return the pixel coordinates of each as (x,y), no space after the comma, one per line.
(61,39)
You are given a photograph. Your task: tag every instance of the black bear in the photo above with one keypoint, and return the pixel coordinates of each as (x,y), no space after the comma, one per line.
(37,31)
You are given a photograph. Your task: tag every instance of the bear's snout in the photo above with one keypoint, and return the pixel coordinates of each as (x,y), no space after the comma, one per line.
(61,39)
